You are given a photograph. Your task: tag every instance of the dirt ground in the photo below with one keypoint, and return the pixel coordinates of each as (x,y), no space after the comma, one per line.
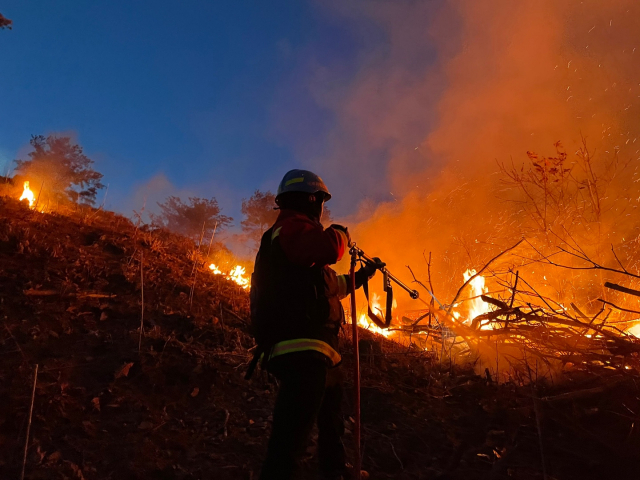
(71,289)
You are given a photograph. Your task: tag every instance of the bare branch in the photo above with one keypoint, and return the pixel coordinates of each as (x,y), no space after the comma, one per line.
(617,307)
(479,273)
(620,288)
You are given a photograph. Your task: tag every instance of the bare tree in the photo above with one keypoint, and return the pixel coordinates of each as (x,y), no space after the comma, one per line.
(259,214)
(62,168)
(192,219)
(559,193)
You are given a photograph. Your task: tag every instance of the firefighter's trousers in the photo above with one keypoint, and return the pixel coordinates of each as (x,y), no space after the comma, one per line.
(309,390)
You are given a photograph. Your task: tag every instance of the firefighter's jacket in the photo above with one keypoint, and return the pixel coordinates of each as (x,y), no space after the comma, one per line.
(295,295)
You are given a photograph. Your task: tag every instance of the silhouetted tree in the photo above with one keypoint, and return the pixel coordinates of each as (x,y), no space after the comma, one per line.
(5,22)
(61,167)
(259,214)
(189,218)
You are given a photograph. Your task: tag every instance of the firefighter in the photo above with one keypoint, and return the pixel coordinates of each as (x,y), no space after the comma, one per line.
(296,317)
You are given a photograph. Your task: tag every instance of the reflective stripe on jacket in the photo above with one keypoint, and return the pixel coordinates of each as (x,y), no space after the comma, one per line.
(304,344)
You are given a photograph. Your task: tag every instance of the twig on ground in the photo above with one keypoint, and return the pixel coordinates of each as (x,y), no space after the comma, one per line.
(15,341)
(234,314)
(226,421)
(396,455)
(48,293)
(224,334)
(26,442)
(141,300)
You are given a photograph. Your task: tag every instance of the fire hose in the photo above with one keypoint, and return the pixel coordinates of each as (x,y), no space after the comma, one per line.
(358,255)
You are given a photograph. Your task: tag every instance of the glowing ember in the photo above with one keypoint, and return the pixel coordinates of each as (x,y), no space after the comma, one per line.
(237,274)
(28,195)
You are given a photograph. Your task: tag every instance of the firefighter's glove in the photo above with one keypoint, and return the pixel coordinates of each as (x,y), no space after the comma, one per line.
(344,231)
(368,271)
(370,268)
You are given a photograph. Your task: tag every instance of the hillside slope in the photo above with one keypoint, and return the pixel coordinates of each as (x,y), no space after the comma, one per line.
(71,301)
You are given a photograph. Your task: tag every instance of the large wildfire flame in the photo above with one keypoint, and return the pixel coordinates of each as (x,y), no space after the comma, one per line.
(28,195)
(236,274)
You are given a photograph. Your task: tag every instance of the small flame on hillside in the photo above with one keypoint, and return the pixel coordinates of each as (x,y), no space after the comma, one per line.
(28,195)
(237,274)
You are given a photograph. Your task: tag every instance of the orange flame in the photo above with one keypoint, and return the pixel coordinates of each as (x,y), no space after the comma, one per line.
(635,330)
(237,275)
(364,321)
(28,195)
(476,305)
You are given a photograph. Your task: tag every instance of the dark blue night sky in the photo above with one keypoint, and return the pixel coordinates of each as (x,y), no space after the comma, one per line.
(208,98)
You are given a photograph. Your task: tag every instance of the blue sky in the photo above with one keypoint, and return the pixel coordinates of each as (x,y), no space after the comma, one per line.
(207,98)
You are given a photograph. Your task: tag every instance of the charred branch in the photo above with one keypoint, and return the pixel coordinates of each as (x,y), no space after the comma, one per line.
(620,288)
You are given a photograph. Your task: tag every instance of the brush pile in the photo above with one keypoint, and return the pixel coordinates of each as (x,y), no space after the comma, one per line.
(518,326)
(533,330)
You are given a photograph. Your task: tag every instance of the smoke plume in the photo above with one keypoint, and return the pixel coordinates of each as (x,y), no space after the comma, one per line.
(503,78)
